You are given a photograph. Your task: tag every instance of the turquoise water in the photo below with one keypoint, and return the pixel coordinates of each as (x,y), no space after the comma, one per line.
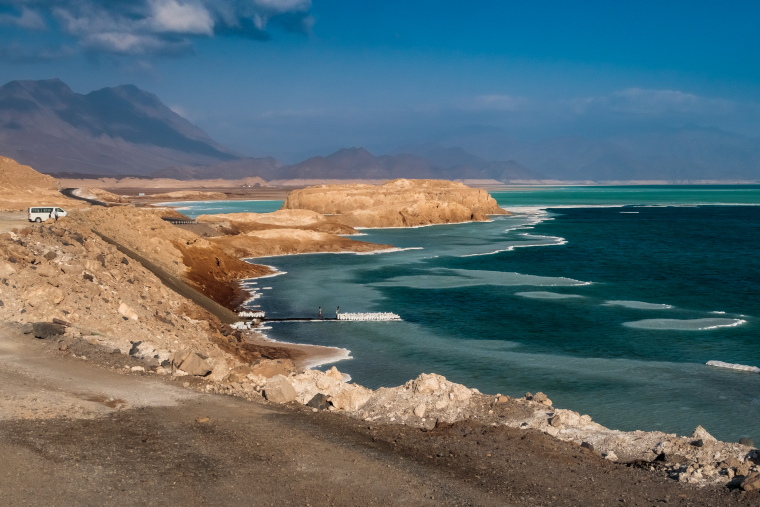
(611,305)
(193,209)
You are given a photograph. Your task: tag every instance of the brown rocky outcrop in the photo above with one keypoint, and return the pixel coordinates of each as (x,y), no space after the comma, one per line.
(289,241)
(237,223)
(397,203)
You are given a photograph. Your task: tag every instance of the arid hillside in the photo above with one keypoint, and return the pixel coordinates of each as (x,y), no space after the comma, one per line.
(22,187)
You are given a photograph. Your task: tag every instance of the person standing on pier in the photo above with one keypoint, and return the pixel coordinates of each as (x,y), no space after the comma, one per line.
(319,313)
(337,312)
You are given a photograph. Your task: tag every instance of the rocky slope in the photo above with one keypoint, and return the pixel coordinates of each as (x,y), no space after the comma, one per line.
(397,203)
(22,187)
(430,401)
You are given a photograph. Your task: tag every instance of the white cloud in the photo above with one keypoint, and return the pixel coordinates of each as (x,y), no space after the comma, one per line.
(157,26)
(172,16)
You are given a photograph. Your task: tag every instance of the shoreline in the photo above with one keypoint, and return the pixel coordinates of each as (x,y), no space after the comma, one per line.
(313,357)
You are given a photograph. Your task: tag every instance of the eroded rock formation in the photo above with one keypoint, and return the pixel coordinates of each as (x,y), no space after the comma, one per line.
(397,203)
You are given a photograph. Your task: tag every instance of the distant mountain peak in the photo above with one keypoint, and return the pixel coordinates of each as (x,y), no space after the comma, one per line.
(122,129)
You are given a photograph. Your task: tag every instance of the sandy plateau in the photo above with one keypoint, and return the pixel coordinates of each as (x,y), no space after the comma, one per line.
(116,345)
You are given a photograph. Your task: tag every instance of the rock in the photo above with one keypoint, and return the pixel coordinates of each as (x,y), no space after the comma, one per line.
(611,456)
(565,418)
(751,482)
(27,328)
(502,399)
(701,434)
(334,373)
(587,445)
(351,398)
(137,368)
(419,410)
(319,401)
(747,441)
(278,389)
(426,383)
(45,330)
(269,368)
(126,311)
(194,364)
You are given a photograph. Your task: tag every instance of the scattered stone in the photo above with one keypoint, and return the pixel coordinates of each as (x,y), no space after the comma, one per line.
(27,328)
(611,456)
(279,390)
(137,368)
(63,347)
(135,349)
(203,420)
(127,312)
(698,443)
(61,322)
(502,399)
(587,445)
(50,255)
(45,330)
(419,410)
(319,402)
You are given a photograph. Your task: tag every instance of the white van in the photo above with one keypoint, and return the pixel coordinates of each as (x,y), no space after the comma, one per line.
(42,213)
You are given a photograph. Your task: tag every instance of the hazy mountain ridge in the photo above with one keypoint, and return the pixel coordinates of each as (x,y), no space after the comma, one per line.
(121,130)
(688,153)
(127,131)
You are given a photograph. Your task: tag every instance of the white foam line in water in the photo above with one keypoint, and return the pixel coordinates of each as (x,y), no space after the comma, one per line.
(732,366)
(539,294)
(560,241)
(388,250)
(685,324)
(637,305)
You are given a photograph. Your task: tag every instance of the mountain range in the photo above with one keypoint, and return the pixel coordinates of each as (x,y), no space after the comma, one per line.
(123,131)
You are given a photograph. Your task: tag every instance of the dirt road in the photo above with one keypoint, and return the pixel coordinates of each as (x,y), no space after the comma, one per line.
(12,219)
(73,433)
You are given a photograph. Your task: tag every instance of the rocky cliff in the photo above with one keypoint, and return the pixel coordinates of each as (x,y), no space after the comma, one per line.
(397,203)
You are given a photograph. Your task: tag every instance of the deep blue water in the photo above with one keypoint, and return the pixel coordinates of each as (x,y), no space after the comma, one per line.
(611,311)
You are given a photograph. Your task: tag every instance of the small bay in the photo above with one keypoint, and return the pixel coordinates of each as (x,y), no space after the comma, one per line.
(608,299)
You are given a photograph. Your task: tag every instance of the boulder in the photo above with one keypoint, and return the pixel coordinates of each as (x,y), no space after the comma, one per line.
(751,482)
(269,368)
(278,389)
(45,330)
(701,434)
(193,364)
(319,401)
(351,398)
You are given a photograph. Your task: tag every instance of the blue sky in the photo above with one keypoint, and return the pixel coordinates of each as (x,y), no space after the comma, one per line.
(293,78)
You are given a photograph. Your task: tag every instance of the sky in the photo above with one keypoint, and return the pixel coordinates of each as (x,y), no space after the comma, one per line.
(296,78)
